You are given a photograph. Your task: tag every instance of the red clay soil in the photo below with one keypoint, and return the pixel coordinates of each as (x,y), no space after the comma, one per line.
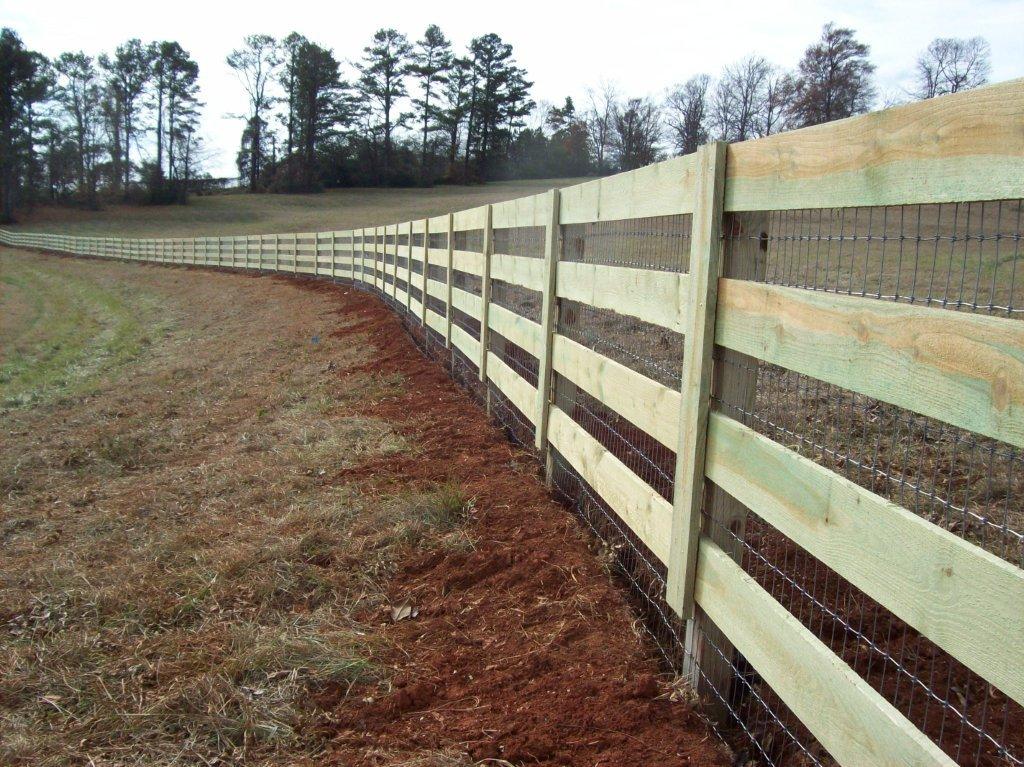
(524,650)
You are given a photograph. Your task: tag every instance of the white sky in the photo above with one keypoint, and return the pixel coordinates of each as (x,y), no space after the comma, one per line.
(565,46)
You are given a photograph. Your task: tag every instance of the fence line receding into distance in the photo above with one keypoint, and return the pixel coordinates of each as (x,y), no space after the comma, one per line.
(783,380)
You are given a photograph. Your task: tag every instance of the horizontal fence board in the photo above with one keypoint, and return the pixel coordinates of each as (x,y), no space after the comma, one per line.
(961,147)
(641,509)
(519,270)
(473,218)
(467,261)
(652,296)
(850,719)
(466,302)
(465,343)
(964,369)
(438,290)
(518,390)
(519,330)
(436,322)
(663,189)
(646,404)
(522,211)
(966,600)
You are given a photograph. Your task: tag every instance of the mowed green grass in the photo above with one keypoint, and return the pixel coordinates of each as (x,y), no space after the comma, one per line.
(235,213)
(61,331)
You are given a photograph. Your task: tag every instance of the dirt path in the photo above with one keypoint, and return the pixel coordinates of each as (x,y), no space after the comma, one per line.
(200,552)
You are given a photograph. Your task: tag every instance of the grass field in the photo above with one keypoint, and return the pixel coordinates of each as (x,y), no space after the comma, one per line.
(244,521)
(240,213)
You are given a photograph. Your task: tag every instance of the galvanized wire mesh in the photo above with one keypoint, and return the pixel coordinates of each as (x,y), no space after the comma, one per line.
(520,241)
(523,301)
(468,239)
(658,242)
(964,257)
(958,255)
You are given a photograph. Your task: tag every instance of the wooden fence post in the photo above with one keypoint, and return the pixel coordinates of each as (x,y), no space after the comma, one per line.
(362,255)
(705,267)
(485,299)
(548,321)
(448,297)
(423,276)
(408,273)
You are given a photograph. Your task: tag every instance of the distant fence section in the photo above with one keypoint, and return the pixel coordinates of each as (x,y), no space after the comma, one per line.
(783,380)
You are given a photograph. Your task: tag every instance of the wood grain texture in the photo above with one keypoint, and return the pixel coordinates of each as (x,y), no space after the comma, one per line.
(548,320)
(964,369)
(522,211)
(851,720)
(966,600)
(701,304)
(516,328)
(634,501)
(467,303)
(519,270)
(465,343)
(653,296)
(512,385)
(468,261)
(646,404)
(965,146)
(662,189)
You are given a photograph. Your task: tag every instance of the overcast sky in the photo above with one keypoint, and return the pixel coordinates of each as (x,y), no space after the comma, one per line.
(565,46)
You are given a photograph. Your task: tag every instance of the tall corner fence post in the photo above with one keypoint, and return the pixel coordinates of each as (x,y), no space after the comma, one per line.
(548,316)
(448,288)
(699,334)
(485,297)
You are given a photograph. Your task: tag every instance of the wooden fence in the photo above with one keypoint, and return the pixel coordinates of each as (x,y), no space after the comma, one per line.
(731,279)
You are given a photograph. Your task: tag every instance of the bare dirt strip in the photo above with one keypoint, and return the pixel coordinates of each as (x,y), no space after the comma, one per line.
(206,539)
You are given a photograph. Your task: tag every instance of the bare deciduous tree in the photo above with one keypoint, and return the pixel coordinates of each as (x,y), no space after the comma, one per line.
(952,64)
(739,99)
(636,127)
(603,103)
(687,112)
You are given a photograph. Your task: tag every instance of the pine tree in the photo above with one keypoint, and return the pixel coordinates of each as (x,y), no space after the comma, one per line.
(431,64)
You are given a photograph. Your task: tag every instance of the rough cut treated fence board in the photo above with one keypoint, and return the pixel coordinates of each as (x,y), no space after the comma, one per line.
(705,266)
(647,404)
(663,189)
(964,369)
(521,331)
(512,385)
(465,343)
(522,211)
(652,296)
(966,600)
(646,513)
(956,148)
(519,270)
(855,724)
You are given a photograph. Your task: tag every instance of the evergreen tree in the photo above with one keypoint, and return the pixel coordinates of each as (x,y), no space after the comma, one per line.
(383,70)
(431,62)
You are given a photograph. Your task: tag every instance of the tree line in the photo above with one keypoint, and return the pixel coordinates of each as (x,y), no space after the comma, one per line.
(125,125)
(74,126)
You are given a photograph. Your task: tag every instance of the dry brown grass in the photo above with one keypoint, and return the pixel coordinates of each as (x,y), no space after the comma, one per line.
(241,213)
(180,580)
